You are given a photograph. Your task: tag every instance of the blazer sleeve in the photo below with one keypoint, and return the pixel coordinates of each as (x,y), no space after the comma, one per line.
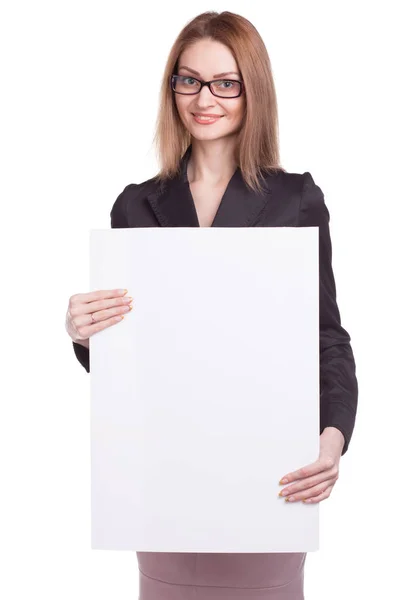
(338,381)
(118,217)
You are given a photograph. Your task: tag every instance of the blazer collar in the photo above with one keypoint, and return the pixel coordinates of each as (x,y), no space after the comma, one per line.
(173,203)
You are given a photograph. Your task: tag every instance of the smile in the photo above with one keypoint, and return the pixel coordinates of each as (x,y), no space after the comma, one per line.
(205,119)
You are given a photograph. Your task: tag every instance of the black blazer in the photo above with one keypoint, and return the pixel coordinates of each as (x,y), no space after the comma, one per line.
(287,200)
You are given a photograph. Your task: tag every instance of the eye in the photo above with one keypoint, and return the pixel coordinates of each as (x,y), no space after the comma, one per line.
(188,80)
(225,84)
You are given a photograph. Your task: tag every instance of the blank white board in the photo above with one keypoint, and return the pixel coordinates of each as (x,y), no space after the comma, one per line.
(207,393)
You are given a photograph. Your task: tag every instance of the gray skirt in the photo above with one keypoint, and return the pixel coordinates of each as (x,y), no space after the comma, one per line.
(214,576)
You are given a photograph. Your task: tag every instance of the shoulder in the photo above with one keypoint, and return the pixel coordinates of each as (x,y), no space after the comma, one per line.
(313,210)
(132,194)
(302,189)
(290,182)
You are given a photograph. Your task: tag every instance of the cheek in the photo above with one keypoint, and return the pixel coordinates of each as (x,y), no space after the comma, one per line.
(182,106)
(236,112)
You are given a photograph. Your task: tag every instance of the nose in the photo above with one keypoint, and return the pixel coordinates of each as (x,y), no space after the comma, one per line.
(205,98)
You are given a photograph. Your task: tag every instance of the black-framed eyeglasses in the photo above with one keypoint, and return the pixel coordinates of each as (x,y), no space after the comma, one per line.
(222,88)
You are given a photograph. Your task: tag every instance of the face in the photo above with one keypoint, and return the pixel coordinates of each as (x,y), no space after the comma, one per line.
(207,60)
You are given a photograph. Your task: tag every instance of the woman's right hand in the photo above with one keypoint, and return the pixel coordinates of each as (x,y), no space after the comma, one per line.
(92,312)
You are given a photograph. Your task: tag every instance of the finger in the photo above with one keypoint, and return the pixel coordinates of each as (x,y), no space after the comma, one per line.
(87,331)
(304,484)
(320,497)
(96,295)
(86,320)
(322,464)
(87,308)
(101,305)
(107,313)
(311,492)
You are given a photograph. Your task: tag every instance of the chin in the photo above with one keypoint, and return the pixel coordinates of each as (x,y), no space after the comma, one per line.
(207,135)
(207,138)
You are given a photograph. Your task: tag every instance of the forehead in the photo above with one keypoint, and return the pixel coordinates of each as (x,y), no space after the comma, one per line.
(208,57)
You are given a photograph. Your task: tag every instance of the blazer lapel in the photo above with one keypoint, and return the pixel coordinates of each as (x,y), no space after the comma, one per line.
(173,204)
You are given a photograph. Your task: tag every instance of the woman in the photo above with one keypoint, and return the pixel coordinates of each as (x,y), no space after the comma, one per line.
(217,138)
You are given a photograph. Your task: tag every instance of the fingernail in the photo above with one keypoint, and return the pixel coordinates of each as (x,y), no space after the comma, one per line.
(283,481)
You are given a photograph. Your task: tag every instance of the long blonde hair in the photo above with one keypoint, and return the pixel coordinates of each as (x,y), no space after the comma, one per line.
(257,149)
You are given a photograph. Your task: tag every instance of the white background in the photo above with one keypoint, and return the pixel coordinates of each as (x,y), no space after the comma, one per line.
(80,84)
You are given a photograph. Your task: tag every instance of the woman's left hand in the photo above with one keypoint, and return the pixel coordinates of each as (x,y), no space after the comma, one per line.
(315,481)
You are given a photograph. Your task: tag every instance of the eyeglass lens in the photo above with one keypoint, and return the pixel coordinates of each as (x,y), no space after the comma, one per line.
(224,87)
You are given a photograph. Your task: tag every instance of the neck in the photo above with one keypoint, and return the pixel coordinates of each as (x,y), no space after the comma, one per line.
(212,162)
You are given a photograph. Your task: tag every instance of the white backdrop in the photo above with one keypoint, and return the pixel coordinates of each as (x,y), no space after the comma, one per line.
(80,85)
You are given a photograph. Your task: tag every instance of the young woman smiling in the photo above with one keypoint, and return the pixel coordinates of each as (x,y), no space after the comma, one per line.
(217,140)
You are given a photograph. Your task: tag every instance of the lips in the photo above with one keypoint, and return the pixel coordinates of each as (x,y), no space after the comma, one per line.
(206,116)
(206,119)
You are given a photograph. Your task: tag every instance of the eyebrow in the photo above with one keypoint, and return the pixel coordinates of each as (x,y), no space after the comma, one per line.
(217,75)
